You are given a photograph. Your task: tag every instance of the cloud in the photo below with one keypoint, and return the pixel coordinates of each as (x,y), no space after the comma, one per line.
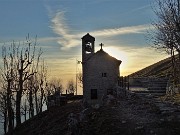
(67,40)
(45,39)
(121,31)
(60,27)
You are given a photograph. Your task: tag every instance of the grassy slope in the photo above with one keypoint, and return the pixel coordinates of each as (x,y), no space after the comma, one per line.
(49,122)
(159,69)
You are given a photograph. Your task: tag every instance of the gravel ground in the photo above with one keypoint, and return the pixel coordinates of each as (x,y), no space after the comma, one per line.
(133,115)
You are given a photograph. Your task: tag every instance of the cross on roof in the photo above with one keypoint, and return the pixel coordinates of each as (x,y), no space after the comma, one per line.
(101,45)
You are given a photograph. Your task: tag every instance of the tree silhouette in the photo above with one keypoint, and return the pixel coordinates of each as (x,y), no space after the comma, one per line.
(166,33)
(21,74)
(71,87)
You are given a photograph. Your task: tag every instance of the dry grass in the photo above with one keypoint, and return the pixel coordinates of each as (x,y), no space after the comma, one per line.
(171,98)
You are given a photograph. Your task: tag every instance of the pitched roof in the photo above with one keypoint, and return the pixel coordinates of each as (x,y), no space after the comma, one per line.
(101,52)
(88,36)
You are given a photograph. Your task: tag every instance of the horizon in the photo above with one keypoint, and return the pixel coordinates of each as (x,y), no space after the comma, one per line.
(121,25)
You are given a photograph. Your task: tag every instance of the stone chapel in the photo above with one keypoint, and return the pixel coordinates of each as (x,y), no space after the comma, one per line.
(100,71)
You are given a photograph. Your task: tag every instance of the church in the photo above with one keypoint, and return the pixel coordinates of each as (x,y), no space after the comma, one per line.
(100,71)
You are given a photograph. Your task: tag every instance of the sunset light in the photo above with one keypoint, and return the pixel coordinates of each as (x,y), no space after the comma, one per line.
(120,55)
(89,67)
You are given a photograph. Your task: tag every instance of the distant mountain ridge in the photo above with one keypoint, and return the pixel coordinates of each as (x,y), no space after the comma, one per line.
(162,68)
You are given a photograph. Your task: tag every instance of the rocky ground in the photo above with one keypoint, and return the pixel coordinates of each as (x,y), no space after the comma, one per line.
(133,115)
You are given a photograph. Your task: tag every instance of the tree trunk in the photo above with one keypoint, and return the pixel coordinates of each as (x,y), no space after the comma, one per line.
(173,65)
(18,108)
(5,122)
(13,119)
(25,111)
(31,109)
(36,102)
(19,95)
(179,71)
(41,102)
(5,115)
(9,107)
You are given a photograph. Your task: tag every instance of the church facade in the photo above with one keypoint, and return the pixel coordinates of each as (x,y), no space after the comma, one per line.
(100,71)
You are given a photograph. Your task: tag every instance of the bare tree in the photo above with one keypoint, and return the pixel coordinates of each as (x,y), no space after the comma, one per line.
(71,87)
(80,79)
(166,33)
(55,84)
(8,75)
(3,109)
(20,62)
(29,95)
(40,86)
(26,61)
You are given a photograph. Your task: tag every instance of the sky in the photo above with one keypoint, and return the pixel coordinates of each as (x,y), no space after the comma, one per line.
(121,25)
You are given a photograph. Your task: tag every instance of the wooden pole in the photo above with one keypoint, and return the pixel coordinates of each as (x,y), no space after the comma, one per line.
(76,76)
(128,81)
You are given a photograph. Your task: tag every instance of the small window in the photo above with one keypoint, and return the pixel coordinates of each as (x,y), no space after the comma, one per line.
(93,93)
(109,91)
(88,47)
(104,74)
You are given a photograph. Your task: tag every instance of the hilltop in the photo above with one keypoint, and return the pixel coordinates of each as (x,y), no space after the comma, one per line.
(160,69)
(49,122)
(131,115)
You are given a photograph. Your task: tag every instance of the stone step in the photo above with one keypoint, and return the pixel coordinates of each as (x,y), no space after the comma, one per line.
(156,88)
(158,79)
(151,91)
(157,91)
(163,84)
(157,85)
(157,82)
(153,94)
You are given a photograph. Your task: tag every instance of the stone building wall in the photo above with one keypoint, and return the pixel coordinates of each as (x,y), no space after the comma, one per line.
(100,63)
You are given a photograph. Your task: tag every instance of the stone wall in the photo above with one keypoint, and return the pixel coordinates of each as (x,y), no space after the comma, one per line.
(138,82)
(92,77)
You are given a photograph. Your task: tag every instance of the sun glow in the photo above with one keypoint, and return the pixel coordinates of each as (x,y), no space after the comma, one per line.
(120,55)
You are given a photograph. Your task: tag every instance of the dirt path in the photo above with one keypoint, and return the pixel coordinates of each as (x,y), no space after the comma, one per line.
(135,116)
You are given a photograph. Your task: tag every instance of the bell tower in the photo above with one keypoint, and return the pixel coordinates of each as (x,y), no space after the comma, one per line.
(87,46)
